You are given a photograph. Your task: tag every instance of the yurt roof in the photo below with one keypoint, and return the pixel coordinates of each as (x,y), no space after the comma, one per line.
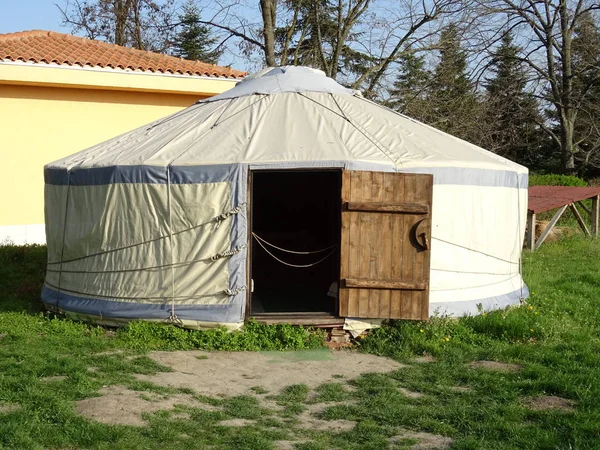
(288,115)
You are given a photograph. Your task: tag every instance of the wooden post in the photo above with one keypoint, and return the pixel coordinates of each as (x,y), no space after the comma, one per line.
(549,227)
(580,220)
(594,215)
(530,243)
(585,208)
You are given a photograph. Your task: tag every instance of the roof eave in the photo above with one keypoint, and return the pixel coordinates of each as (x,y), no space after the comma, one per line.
(42,74)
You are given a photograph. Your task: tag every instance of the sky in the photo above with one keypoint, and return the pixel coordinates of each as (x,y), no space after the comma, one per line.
(20,15)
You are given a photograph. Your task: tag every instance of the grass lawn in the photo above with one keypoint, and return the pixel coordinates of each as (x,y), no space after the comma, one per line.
(49,365)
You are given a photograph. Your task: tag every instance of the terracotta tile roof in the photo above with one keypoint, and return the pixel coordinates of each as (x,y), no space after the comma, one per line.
(49,47)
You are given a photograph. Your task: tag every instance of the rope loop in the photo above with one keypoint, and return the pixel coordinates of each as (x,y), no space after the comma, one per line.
(332,248)
(258,238)
(234,292)
(174,320)
(227,253)
(220,218)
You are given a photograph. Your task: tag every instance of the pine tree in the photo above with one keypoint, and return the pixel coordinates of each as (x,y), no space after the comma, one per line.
(409,93)
(317,30)
(194,41)
(451,93)
(511,115)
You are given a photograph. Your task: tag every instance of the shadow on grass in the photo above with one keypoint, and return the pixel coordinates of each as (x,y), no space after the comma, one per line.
(22,271)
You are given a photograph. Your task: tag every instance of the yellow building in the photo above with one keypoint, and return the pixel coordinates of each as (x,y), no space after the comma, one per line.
(60,94)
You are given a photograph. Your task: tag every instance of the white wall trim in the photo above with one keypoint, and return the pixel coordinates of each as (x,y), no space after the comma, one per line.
(23,234)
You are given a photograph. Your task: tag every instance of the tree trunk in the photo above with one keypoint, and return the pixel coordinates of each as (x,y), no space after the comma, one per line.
(568,113)
(121,11)
(139,42)
(290,33)
(567,139)
(268,9)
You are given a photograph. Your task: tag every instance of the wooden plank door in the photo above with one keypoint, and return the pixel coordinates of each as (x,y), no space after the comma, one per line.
(385,245)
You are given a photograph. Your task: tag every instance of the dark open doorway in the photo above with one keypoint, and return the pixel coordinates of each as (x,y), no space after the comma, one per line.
(297,210)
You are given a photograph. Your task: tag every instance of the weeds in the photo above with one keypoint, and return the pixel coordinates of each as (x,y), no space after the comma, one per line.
(254,337)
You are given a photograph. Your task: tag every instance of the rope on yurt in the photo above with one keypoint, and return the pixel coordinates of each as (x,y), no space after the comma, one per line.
(473,250)
(476,287)
(220,218)
(339,107)
(222,112)
(386,152)
(227,253)
(473,272)
(172,117)
(93,295)
(234,292)
(62,249)
(289,251)
(138,243)
(264,96)
(161,266)
(173,317)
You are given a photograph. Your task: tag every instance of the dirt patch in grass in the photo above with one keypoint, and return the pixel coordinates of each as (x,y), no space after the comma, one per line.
(410,394)
(109,353)
(121,406)
(496,366)
(53,378)
(307,421)
(318,408)
(237,373)
(236,422)
(6,408)
(426,441)
(460,389)
(550,402)
(424,359)
(287,445)
(309,418)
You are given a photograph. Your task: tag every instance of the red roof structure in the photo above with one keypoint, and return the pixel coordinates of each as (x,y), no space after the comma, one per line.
(39,46)
(545,198)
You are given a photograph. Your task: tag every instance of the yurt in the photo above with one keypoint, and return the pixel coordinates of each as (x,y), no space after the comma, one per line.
(287,198)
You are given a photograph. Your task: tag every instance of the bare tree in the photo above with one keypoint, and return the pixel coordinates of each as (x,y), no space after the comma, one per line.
(355,41)
(409,28)
(142,24)
(546,29)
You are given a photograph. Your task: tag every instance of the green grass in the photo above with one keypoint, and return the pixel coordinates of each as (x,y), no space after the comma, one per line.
(555,337)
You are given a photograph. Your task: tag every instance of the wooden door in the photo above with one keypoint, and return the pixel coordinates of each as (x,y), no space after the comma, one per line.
(385,245)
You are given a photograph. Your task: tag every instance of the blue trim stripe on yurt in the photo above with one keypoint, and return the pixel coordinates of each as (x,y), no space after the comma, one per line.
(219,172)
(473,177)
(236,265)
(230,313)
(222,313)
(474,307)
(139,174)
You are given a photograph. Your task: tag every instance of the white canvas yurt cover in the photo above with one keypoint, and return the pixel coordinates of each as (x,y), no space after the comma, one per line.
(153,224)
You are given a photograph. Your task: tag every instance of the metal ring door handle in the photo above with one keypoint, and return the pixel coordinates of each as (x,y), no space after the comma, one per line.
(421,237)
